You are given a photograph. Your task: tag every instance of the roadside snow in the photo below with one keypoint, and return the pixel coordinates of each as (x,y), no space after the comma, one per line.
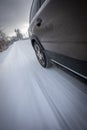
(34,98)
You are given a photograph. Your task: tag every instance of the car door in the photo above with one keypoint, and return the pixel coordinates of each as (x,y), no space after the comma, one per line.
(50,23)
(61,26)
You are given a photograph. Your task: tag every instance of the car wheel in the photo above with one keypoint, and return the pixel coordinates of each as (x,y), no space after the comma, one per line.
(41,56)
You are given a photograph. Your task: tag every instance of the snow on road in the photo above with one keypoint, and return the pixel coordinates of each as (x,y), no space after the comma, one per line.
(34,98)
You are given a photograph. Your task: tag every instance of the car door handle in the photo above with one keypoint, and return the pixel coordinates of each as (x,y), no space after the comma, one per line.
(38,22)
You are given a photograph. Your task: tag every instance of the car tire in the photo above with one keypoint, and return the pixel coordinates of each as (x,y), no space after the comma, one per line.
(41,56)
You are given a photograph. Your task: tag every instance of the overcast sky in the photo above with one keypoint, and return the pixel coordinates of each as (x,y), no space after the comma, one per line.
(14,14)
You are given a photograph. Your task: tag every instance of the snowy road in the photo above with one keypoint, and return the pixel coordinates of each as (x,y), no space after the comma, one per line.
(34,98)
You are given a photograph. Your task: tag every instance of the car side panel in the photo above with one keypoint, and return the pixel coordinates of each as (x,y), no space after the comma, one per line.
(64,27)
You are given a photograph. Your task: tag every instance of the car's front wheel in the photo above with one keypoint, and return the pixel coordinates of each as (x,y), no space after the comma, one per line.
(41,56)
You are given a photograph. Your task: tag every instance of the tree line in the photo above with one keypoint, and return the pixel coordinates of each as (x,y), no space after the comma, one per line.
(6,41)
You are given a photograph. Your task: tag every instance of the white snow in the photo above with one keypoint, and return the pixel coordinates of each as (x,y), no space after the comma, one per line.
(34,98)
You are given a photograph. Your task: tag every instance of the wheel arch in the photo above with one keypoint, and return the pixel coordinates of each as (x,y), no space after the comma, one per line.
(35,39)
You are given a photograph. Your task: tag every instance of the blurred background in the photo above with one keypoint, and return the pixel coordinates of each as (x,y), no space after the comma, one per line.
(14,21)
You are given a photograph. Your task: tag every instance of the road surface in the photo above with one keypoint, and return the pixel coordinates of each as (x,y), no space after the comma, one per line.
(34,98)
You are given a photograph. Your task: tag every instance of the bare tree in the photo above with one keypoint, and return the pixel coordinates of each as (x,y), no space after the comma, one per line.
(18,34)
(3,41)
(3,36)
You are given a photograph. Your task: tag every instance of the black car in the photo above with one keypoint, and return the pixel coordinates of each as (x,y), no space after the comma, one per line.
(58,33)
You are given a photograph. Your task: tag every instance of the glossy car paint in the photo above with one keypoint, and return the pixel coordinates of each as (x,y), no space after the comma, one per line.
(63,31)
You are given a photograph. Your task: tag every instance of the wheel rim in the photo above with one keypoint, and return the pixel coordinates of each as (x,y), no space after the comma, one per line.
(40,55)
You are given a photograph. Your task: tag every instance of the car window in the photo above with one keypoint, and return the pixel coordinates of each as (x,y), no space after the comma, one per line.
(35,7)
